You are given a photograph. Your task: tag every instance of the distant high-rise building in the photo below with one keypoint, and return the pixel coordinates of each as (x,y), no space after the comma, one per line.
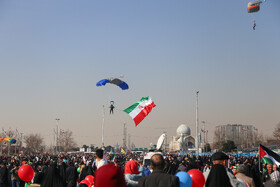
(243,136)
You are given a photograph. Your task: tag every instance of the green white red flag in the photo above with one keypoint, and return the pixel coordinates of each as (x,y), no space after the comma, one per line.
(268,156)
(139,110)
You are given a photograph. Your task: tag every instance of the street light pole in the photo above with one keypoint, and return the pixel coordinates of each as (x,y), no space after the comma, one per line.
(197,138)
(103,127)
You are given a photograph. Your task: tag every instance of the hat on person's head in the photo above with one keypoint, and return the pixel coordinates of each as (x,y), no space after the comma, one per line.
(275,176)
(242,169)
(219,156)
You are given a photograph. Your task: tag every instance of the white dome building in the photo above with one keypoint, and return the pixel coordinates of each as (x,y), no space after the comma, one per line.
(183,129)
(183,140)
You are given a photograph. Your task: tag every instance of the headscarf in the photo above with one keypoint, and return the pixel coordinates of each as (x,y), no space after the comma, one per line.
(109,175)
(218,177)
(131,167)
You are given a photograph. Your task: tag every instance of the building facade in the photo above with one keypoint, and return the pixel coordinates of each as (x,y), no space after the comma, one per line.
(183,141)
(243,136)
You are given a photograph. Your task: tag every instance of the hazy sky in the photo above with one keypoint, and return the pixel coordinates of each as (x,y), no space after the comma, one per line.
(53,52)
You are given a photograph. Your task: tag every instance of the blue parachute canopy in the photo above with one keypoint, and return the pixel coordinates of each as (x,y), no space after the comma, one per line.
(115,81)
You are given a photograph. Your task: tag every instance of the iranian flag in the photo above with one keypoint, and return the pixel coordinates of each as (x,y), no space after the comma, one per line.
(268,156)
(139,110)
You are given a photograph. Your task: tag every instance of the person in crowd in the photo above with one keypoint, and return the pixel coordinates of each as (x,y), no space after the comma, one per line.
(81,166)
(248,164)
(242,175)
(167,167)
(275,168)
(264,165)
(87,170)
(206,168)
(274,180)
(109,175)
(146,169)
(62,171)
(99,161)
(41,175)
(71,175)
(181,167)
(132,174)
(218,177)
(14,176)
(3,174)
(267,173)
(53,178)
(235,171)
(220,159)
(158,178)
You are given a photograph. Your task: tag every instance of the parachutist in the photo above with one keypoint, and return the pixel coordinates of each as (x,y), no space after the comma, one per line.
(112,107)
(254,26)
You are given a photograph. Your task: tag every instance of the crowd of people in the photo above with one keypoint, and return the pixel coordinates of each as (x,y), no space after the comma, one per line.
(118,170)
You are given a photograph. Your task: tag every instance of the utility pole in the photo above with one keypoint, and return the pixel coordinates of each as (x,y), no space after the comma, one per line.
(128,146)
(197,138)
(247,135)
(57,122)
(21,140)
(207,136)
(124,136)
(203,122)
(204,132)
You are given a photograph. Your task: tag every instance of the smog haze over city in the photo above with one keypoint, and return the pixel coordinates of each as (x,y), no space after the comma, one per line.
(54,52)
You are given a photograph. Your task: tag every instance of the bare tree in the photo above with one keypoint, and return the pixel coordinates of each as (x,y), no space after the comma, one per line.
(276,133)
(259,139)
(217,139)
(66,141)
(34,142)
(7,146)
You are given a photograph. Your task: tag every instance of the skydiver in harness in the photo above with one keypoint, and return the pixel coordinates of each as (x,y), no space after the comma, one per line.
(254,26)
(112,107)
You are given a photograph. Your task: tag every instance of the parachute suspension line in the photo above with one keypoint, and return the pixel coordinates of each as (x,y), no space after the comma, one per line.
(253,18)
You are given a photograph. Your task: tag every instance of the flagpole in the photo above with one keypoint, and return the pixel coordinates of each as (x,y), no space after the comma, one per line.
(259,161)
(197,142)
